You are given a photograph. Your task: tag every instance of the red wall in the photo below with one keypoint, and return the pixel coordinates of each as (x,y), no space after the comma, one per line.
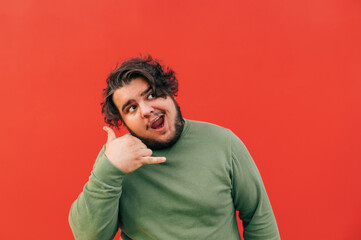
(285,76)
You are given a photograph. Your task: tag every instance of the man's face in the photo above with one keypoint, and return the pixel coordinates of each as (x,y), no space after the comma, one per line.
(157,121)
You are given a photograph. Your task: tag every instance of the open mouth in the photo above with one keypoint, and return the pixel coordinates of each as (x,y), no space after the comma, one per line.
(158,123)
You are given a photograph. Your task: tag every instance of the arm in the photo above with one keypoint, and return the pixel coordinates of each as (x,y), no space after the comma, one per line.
(94,215)
(250,197)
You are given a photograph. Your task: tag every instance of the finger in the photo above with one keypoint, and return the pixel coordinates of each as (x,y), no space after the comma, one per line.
(111,134)
(145,152)
(138,143)
(136,139)
(152,160)
(141,145)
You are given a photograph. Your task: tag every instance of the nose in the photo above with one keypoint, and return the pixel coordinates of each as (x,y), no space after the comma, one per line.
(146,110)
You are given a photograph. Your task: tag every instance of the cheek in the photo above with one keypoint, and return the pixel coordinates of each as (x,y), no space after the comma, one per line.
(134,122)
(127,120)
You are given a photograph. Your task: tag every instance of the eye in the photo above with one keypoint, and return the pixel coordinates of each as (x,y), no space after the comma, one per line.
(132,108)
(151,96)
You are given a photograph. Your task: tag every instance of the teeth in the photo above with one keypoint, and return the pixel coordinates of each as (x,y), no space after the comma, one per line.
(156,119)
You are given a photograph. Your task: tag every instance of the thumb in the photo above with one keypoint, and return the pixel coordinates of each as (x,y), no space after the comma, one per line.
(111,134)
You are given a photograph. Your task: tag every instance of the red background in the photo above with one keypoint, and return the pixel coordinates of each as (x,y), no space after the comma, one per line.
(284,75)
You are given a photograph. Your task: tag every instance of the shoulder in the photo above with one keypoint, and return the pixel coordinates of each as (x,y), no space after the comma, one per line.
(206,126)
(209,131)
(213,131)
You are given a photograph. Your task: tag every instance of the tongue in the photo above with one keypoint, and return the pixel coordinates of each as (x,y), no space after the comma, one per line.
(158,123)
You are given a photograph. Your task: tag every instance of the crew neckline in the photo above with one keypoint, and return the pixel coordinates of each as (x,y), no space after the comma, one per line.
(185,128)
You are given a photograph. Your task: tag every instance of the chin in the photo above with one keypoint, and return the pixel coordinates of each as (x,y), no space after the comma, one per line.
(160,143)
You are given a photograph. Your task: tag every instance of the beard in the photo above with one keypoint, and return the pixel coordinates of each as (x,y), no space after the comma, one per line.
(157,145)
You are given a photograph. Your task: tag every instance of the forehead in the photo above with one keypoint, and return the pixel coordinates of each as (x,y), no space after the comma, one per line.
(130,91)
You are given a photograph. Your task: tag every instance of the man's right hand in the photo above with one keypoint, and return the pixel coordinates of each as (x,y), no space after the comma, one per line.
(128,153)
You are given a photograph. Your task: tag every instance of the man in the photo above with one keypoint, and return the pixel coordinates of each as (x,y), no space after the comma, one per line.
(170,178)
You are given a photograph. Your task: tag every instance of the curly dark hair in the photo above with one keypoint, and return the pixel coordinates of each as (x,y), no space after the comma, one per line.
(162,80)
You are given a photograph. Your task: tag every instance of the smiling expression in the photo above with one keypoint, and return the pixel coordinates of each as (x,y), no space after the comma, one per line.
(155,120)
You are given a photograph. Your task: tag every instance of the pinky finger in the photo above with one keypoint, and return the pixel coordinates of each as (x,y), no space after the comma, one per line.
(153,160)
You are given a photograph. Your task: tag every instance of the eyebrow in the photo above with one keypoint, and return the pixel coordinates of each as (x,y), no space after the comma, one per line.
(132,100)
(146,91)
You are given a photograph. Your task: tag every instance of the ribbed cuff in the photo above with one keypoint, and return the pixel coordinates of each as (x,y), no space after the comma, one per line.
(107,172)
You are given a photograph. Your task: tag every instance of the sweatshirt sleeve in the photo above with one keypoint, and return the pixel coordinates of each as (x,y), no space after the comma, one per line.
(250,197)
(94,215)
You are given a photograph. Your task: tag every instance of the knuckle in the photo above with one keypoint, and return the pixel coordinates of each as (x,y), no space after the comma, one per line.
(151,160)
(137,140)
(147,160)
(128,137)
(124,138)
(149,151)
(130,143)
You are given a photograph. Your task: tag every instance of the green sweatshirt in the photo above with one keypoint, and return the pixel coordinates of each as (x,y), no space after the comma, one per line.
(208,175)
